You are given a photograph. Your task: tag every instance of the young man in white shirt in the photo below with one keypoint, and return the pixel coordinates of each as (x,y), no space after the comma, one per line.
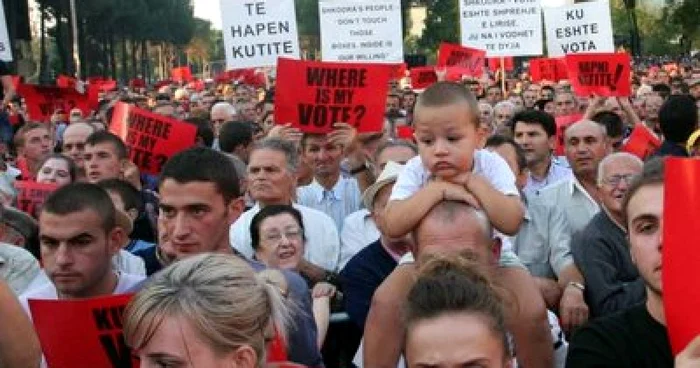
(78,236)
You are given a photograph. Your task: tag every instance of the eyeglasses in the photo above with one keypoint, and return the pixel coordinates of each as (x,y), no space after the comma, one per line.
(291,234)
(616,179)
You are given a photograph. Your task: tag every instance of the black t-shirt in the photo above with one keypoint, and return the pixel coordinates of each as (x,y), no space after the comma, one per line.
(630,338)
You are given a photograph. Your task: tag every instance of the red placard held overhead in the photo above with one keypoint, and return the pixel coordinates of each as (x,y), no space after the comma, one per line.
(549,69)
(606,75)
(470,60)
(642,142)
(152,139)
(31,195)
(314,95)
(423,77)
(495,63)
(681,259)
(42,101)
(563,122)
(82,333)
(181,74)
(65,81)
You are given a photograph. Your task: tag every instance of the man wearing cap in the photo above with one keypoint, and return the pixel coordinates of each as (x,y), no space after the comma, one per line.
(367,269)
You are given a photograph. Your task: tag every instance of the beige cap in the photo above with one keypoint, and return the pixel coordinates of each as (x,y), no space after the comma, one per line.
(388,176)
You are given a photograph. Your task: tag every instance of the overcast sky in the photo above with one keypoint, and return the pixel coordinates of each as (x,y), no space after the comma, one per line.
(209,10)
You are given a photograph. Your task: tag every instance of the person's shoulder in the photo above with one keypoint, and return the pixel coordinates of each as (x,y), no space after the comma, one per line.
(551,192)
(15,254)
(128,283)
(246,216)
(366,258)
(309,214)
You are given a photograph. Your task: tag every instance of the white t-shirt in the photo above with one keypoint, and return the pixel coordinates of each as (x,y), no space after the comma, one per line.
(486,163)
(47,291)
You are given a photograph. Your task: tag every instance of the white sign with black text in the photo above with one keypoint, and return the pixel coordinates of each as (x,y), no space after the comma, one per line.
(580,28)
(502,27)
(257,32)
(361,30)
(5,49)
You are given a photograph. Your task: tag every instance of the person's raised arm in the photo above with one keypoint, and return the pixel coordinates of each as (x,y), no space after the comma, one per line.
(9,88)
(19,345)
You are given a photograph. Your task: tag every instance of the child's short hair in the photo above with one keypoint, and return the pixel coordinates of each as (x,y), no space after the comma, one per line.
(448,93)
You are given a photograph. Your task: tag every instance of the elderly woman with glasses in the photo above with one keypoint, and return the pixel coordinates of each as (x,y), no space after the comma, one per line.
(277,234)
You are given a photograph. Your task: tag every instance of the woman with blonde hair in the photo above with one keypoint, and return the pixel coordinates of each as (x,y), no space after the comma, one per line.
(209,310)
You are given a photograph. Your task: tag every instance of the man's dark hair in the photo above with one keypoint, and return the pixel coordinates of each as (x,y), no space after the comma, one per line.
(234,134)
(662,89)
(541,103)
(541,118)
(103,136)
(612,122)
(131,197)
(499,140)
(548,88)
(269,211)
(202,164)
(204,130)
(678,118)
(652,174)
(78,197)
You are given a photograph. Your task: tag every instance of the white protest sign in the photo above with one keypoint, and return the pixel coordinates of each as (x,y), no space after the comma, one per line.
(502,27)
(361,30)
(580,28)
(257,32)
(5,49)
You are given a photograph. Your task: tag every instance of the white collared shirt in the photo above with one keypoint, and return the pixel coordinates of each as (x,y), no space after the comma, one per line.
(573,198)
(18,267)
(359,231)
(322,241)
(557,172)
(338,202)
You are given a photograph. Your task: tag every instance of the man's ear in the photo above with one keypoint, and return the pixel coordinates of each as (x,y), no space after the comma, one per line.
(133,214)
(552,142)
(116,239)
(244,357)
(235,209)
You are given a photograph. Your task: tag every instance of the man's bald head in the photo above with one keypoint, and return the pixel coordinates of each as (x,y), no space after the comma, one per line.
(585,126)
(74,138)
(453,227)
(586,144)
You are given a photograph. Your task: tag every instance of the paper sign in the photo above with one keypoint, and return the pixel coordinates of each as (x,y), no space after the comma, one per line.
(42,101)
(314,95)
(256,33)
(152,138)
(423,77)
(399,71)
(642,142)
(606,75)
(181,74)
(580,28)
(361,30)
(549,69)
(681,260)
(563,122)
(83,333)
(495,64)
(467,58)
(32,195)
(5,45)
(502,28)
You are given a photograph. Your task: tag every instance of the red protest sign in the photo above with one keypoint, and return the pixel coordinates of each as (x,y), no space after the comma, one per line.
(469,59)
(31,195)
(563,122)
(600,74)
(495,63)
(642,142)
(680,258)
(181,74)
(423,77)
(152,139)
(314,95)
(42,101)
(82,333)
(404,132)
(549,69)
(65,81)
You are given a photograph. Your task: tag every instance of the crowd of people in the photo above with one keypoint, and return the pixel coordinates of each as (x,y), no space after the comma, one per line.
(490,238)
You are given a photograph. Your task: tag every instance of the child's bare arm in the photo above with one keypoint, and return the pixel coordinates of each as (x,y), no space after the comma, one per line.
(505,212)
(402,216)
